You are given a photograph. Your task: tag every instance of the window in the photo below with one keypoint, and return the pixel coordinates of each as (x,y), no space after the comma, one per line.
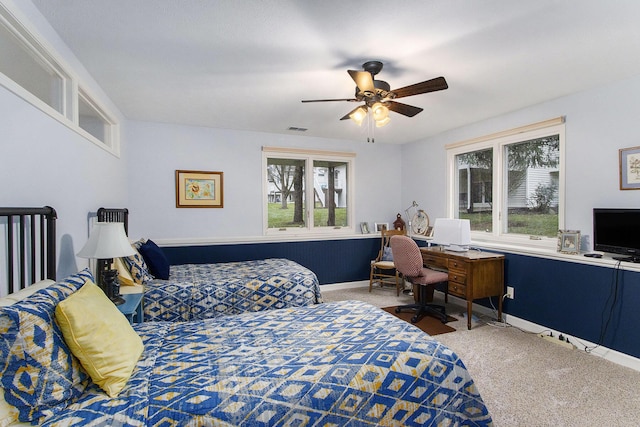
(307,191)
(94,120)
(510,185)
(31,68)
(34,74)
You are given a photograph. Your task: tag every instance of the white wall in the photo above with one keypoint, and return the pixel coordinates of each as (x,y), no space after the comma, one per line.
(598,123)
(158,150)
(44,162)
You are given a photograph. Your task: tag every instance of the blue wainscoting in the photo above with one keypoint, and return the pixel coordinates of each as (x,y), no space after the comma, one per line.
(571,297)
(333,261)
(577,299)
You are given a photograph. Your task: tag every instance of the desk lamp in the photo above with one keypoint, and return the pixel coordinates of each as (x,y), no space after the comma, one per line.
(108,241)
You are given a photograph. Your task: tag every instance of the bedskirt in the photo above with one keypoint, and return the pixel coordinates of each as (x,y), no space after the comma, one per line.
(203,291)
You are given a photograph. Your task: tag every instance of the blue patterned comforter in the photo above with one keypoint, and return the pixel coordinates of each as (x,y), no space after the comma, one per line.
(346,364)
(202,291)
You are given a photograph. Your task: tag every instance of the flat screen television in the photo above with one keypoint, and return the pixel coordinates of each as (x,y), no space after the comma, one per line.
(617,231)
(454,234)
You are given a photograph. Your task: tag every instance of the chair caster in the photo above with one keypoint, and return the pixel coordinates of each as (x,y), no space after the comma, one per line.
(398,310)
(414,319)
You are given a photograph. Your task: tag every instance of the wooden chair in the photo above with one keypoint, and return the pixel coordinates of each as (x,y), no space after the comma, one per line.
(383,269)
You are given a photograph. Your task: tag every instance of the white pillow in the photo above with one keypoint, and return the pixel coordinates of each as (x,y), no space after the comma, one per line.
(23,293)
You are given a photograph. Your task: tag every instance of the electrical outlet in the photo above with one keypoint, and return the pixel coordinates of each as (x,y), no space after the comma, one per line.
(510,292)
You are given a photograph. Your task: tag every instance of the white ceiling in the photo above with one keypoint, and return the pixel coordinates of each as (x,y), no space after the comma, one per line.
(247,64)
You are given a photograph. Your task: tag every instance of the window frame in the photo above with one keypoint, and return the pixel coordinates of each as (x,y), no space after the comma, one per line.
(67,100)
(309,156)
(498,142)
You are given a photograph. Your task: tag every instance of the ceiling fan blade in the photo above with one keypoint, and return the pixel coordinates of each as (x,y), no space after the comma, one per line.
(439,83)
(347,116)
(330,100)
(364,80)
(404,109)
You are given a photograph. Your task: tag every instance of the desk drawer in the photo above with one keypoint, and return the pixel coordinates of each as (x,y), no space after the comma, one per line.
(434,260)
(457,289)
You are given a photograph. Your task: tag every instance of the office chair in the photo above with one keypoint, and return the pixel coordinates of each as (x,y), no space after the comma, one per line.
(383,269)
(408,261)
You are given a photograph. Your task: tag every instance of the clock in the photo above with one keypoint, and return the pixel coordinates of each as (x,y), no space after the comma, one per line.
(420,222)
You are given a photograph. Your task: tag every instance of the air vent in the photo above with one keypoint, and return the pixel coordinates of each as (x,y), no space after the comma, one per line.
(297,129)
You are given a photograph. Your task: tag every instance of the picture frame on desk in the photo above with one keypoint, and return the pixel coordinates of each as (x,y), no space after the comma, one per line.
(630,168)
(569,241)
(381,226)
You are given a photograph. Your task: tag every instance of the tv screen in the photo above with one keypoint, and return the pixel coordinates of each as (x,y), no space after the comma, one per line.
(617,231)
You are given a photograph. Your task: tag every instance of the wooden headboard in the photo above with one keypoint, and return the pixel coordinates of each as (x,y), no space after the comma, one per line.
(30,246)
(112,215)
(115,215)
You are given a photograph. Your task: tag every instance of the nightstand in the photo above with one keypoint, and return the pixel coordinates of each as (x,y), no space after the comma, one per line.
(132,307)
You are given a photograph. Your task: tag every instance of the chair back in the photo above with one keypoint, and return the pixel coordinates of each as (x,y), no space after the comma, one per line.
(406,256)
(385,242)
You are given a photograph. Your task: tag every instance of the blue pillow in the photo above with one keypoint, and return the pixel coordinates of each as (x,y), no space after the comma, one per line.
(155,259)
(387,255)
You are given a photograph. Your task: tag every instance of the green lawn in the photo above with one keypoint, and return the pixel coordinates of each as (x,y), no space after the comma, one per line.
(279,218)
(532,223)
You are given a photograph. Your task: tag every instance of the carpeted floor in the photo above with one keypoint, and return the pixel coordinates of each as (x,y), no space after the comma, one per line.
(525,380)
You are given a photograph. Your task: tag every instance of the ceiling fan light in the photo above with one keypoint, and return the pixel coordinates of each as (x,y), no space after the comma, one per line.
(383,122)
(358,115)
(380,111)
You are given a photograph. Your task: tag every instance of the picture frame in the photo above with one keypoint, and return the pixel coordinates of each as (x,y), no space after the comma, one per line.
(569,241)
(379,226)
(199,189)
(630,168)
(429,232)
(364,228)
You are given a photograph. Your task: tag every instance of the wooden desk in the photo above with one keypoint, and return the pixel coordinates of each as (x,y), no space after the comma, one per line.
(472,274)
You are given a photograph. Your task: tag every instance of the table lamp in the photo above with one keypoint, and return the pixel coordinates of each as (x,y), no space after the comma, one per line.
(108,241)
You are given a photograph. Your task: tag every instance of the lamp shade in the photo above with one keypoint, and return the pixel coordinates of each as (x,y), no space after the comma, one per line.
(107,240)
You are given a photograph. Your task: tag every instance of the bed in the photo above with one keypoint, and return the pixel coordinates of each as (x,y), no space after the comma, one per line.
(201,291)
(345,363)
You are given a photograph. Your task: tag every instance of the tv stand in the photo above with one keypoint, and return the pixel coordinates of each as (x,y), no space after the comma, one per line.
(634,259)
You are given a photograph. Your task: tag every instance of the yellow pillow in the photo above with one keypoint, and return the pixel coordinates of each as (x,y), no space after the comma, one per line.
(100,337)
(124,275)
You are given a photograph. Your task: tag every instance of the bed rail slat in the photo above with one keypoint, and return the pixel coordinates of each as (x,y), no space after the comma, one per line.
(26,230)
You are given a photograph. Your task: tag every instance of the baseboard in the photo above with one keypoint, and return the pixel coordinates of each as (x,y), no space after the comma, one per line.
(604,352)
(345,285)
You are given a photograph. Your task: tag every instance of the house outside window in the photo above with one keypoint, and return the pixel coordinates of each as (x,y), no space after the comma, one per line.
(510,185)
(307,191)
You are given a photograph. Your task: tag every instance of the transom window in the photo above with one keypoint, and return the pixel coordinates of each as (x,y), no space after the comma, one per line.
(510,185)
(307,191)
(35,74)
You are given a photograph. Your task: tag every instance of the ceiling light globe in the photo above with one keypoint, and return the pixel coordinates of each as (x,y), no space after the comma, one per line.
(380,111)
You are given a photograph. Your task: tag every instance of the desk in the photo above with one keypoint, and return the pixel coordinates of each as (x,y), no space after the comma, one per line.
(472,274)
(131,306)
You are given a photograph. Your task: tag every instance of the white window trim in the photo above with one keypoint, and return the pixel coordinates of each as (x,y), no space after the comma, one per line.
(309,156)
(44,53)
(498,141)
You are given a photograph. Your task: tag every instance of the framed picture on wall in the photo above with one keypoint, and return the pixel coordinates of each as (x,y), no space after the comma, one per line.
(199,189)
(630,168)
(569,241)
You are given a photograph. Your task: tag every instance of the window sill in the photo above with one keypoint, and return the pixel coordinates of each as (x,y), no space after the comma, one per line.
(605,261)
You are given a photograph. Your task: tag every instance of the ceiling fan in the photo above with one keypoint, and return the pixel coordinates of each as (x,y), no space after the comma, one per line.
(378,96)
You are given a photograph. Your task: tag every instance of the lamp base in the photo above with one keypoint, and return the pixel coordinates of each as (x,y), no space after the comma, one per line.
(112,286)
(117,300)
